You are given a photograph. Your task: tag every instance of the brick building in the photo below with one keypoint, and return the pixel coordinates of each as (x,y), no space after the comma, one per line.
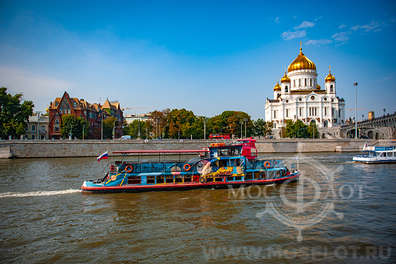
(92,113)
(114,109)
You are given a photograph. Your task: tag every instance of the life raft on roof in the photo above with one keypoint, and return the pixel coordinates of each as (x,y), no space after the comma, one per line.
(217,145)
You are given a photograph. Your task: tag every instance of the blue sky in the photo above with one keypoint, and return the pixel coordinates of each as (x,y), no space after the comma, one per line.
(206,56)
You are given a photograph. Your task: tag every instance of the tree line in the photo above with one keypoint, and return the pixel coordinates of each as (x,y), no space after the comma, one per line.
(175,123)
(184,124)
(14,114)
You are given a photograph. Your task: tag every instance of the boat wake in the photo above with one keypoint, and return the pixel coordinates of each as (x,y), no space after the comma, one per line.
(38,193)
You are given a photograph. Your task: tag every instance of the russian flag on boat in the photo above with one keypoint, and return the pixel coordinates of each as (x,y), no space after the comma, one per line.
(103,156)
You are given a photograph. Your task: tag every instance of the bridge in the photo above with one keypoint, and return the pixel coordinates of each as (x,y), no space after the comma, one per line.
(383,127)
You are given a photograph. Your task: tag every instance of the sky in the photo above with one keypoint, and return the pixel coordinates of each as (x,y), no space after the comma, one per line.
(205,56)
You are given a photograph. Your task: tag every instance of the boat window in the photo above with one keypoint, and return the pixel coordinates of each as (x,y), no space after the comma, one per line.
(223,163)
(224,152)
(134,180)
(235,162)
(169,179)
(187,178)
(160,179)
(150,179)
(215,164)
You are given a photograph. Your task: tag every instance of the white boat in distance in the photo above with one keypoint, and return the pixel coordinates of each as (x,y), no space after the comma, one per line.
(375,154)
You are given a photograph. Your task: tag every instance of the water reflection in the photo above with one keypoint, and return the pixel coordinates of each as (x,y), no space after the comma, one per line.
(176,226)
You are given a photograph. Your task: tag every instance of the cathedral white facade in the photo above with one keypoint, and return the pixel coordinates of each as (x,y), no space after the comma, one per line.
(299,96)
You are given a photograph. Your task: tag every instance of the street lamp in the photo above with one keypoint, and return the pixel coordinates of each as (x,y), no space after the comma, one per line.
(356,131)
(204,120)
(101,125)
(70,132)
(245,120)
(139,128)
(114,129)
(38,124)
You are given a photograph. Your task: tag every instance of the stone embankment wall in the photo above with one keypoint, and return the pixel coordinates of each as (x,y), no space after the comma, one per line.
(92,148)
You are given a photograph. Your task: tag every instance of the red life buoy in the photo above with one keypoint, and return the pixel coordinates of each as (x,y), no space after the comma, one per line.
(187,167)
(128,168)
(267,164)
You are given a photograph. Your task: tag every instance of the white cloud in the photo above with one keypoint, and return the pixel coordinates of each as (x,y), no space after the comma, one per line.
(373,26)
(341,36)
(342,26)
(294,34)
(318,42)
(305,24)
(37,88)
(277,20)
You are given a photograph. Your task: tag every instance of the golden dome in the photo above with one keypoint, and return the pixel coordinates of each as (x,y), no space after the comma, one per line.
(330,77)
(277,87)
(285,78)
(301,63)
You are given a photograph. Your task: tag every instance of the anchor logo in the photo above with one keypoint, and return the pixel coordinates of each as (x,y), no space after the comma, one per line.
(313,198)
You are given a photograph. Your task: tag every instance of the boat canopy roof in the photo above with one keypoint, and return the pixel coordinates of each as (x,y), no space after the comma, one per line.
(384,148)
(159,151)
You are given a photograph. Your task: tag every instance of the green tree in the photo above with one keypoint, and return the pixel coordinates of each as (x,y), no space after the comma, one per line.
(313,130)
(74,126)
(108,125)
(14,115)
(159,123)
(262,128)
(133,128)
(231,122)
(180,123)
(296,129)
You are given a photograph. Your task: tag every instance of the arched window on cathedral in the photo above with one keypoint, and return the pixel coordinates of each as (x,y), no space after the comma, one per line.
(331,88)
(299,82)
(305,81)
(310,82)
(294,83)
(286,89)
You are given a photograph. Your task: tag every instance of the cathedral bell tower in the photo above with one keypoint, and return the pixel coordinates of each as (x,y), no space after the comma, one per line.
(330,83)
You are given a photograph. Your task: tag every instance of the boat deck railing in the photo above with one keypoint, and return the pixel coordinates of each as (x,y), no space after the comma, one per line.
(193,167)
(165,167)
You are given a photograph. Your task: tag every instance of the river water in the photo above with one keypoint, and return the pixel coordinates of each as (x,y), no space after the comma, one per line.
(339,212)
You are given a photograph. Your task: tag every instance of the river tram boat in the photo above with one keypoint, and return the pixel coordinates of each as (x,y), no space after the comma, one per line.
(376,154)
(223,165)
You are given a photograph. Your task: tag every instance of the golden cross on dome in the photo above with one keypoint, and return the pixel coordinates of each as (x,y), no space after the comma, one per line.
(300,46)
(329,69)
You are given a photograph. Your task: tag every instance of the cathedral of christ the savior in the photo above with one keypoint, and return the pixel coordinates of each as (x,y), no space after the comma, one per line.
(300,97)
